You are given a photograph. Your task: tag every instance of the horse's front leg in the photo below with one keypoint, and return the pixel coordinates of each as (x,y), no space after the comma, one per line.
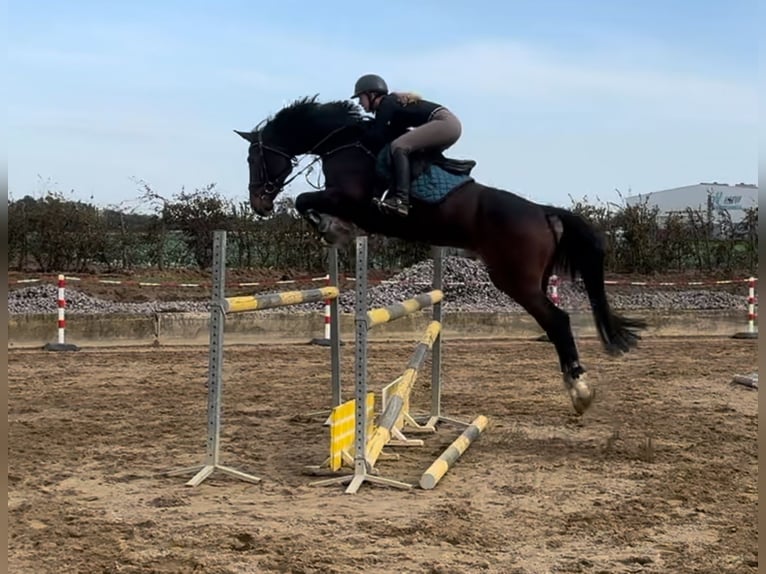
(322,210)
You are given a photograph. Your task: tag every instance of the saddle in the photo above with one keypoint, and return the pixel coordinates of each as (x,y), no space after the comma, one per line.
(456,166)
(419,162)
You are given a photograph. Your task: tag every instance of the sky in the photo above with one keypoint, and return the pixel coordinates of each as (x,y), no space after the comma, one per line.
(559,99)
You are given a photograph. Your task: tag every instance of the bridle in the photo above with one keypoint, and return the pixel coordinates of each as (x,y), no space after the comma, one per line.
(272,187)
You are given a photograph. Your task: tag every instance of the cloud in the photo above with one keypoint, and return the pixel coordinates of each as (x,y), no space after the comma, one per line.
(520,73)
(639,77)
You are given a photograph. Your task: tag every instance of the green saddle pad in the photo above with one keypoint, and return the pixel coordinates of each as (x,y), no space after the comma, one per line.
(431,186)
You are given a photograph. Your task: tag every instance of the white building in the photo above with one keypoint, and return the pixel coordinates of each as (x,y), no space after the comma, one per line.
(719,198)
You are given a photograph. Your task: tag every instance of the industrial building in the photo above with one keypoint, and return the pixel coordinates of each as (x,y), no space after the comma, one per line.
(721,200)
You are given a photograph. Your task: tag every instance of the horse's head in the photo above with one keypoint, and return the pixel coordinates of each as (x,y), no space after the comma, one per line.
(269,168)
(302,127)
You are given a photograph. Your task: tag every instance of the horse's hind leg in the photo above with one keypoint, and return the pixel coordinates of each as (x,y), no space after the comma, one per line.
(556,324)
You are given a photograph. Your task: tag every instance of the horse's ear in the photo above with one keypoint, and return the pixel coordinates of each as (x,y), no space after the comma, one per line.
(247,135)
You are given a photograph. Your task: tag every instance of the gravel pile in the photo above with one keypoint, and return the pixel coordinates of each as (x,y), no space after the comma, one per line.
(43,299)
(467,288)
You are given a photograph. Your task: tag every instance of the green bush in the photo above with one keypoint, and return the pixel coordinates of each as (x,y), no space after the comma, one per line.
(53,234)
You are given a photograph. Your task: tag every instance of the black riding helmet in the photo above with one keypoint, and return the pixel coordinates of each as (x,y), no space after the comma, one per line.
(370,83)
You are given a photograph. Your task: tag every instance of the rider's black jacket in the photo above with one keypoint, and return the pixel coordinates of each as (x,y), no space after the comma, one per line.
(393,118)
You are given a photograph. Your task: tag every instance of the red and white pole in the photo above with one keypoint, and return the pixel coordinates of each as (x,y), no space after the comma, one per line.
(752,313)
(327,320)
(327,338)
(555,289)
(61,307)
(553,295)
(61,345)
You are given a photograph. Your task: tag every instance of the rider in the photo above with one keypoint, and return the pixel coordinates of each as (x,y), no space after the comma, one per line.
(434,127)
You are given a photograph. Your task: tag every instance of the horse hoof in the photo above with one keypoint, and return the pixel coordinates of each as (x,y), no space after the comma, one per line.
(330,239)
(314,218)
(581,394)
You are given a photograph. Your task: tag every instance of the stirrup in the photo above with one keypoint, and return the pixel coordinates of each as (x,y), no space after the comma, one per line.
(394,205)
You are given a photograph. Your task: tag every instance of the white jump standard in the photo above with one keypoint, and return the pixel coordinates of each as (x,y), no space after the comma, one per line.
(220,305)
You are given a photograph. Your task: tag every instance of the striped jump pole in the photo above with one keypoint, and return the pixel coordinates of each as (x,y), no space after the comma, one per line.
(61,344)
(441,465)
(408,307)
(272,300)
(752,314)
(393,411)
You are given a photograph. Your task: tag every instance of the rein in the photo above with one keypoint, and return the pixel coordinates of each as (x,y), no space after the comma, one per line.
(328,154)
(271,187)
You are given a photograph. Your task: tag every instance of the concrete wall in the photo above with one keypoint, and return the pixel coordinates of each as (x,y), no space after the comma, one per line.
(25,331)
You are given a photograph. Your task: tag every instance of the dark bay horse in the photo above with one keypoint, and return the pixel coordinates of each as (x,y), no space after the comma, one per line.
(521,242)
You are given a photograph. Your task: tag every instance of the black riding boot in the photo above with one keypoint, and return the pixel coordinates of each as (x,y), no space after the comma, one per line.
(398,198)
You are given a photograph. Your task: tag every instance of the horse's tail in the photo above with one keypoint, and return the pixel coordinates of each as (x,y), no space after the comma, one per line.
(581,250)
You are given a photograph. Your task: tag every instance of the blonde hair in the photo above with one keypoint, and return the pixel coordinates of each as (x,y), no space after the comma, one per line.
(407,97)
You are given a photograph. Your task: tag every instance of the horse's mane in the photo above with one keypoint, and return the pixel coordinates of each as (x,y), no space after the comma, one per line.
(302,124)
